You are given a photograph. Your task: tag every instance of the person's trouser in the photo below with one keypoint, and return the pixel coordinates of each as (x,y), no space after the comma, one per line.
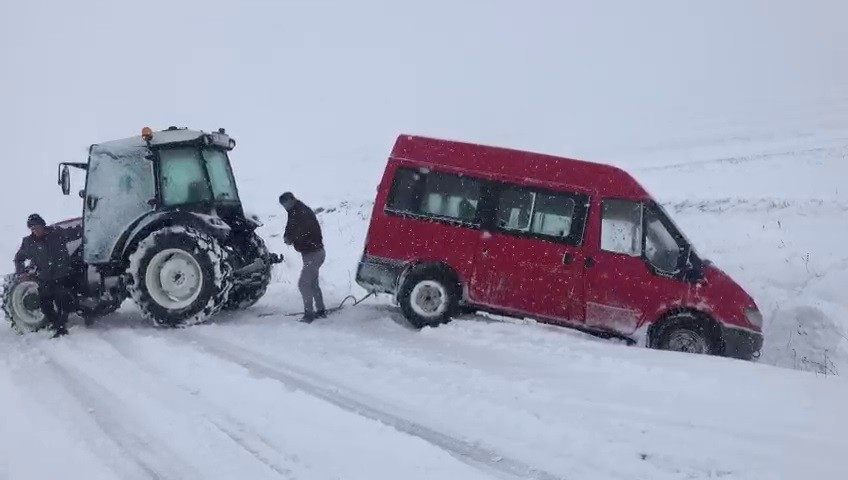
(310,290)
(57,300)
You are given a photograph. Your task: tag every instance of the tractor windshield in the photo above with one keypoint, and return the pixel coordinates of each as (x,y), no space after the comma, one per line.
(188,176)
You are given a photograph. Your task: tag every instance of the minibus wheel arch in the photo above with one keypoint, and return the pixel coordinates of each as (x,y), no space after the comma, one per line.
(434,268)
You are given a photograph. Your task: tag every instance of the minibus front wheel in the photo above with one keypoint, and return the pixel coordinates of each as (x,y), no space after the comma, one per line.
(686,332)
(428,297)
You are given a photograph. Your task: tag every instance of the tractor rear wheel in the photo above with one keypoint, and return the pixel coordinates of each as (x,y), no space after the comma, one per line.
(179,276)
(20,304)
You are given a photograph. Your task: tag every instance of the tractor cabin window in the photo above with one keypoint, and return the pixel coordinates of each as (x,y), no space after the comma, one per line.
(183,177)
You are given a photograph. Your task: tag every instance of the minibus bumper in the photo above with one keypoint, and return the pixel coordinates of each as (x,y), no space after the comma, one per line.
(741,343)
(379,275)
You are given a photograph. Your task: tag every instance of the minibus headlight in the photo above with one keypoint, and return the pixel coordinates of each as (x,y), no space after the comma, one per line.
(754,317)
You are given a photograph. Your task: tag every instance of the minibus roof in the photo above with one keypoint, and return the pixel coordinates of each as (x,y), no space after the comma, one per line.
(520,166)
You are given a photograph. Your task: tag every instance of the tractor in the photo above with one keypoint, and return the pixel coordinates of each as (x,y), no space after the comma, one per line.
(162,223)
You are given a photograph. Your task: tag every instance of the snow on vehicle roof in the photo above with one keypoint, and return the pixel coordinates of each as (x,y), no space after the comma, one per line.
(130,146)
(519,165)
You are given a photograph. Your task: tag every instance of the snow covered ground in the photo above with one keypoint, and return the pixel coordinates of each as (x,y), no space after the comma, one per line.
(362,396)
(742,135)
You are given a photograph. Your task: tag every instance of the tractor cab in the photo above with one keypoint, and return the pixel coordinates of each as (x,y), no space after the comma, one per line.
(163,224)
(167,173)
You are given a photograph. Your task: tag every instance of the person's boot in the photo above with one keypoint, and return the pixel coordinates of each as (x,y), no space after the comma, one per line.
(61,331)
(321,314)
(308,317)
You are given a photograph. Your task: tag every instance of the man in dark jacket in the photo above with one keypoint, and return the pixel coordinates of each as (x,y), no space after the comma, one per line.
(46,249)
(304,232)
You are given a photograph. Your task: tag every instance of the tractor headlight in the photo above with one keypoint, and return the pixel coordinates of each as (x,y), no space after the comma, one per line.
(754,317)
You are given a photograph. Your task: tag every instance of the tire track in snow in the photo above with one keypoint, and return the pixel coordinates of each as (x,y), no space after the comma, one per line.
(486,460)
(236,431)
(255,452)
(100,402)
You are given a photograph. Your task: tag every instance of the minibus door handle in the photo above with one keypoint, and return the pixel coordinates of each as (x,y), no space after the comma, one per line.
(567,258)
(590,262)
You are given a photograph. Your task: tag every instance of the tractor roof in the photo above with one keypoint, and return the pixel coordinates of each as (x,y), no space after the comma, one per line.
(132,146)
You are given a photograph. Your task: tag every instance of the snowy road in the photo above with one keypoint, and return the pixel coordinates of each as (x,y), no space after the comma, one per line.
(150,416)
(363,396)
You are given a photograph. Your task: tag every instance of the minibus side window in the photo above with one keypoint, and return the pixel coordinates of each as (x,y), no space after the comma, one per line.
(435,195)
(538,213)
(450,196)
(621,227)
(405,195)
(552,215)
(515,209)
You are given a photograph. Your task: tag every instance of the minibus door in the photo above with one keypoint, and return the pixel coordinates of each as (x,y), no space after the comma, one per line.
(529,276)
(529,261)
(632,273)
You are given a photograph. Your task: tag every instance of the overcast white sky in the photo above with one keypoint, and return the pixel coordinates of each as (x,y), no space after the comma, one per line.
(313,89)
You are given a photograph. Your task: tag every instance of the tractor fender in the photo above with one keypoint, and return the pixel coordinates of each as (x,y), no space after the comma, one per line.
(148,224)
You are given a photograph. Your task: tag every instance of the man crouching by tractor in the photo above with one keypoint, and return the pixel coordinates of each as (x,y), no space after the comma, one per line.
(46,249)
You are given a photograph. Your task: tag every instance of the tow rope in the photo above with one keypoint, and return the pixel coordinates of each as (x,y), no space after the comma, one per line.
(329,310)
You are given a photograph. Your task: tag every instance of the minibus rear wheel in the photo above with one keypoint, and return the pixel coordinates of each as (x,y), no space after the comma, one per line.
(685,332)
(428,297)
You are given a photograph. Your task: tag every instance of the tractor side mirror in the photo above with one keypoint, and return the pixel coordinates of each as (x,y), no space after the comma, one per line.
(65,180)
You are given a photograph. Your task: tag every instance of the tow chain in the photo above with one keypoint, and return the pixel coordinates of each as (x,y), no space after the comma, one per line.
(329,310)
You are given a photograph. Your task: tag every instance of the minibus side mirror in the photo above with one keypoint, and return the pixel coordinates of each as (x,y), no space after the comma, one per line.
(693,267)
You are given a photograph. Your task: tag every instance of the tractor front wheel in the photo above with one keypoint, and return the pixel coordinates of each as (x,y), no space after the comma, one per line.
(20,304)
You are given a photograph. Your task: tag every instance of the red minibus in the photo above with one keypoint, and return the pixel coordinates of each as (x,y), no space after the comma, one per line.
(458,227)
